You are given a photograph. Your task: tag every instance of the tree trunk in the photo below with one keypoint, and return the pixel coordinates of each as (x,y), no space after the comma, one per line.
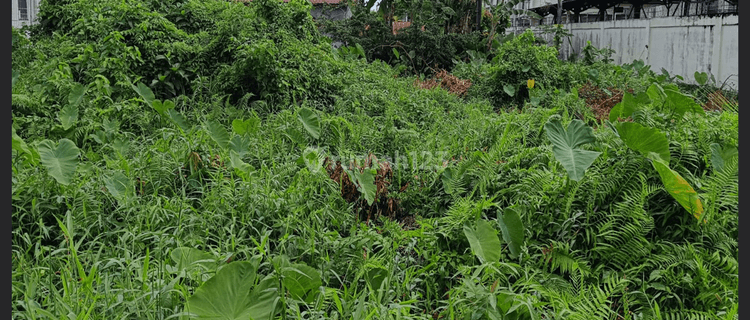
(479,15)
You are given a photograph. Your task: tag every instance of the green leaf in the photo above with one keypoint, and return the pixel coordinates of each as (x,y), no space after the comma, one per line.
(360,50)
(681,103)
(642,99)
(679,188)
(240,145)
(313,159)
(218,133)
(510,89)
(295,136)
(484,241)
(648,141)
(451,181)
(701,77)
(119,185)
(178,119)
(299,279)
(20,146)
(230,295)
(121,146)
(449,11)
(375,277)
(235,161)
(593,74)
(186,258)
(656,93)
(248,126)
(310,121)
(512,229)
(145,93)
(60,160)
(76,95)
(720,156)
(395,53)
(365,183)
(624,109)
(68,116)
(162,108)
(565,145)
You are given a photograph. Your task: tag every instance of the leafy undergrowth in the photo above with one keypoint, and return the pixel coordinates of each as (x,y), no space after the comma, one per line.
(599,100)
(323,186)
(446,81)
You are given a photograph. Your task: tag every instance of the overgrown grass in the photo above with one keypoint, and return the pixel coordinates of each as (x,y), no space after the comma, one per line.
(614,245)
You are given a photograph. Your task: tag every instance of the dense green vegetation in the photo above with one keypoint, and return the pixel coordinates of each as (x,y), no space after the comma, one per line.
(212,159)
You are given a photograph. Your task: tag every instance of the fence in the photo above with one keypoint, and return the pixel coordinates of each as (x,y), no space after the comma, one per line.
(698,8)
(680,45)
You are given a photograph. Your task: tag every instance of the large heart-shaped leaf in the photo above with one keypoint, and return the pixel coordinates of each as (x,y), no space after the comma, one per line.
(76,95)
(218,133)
(230,295)
(648,141)
(656,93)
(60,160)
(679,188)
(145,93)
(247,126)
(509,89)
(310,121)
(68,116)
(484,241)
(162,107)
(240,145)
(119,185)
(295,136)
(178,119)
(236,162)
(300,279)
(565,145)
(365,183)
(186,258)
(512,228)
(627,106)
(680,103)
(701,77)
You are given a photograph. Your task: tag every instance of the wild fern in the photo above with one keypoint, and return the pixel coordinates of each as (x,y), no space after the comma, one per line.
(723,193)
(597,302)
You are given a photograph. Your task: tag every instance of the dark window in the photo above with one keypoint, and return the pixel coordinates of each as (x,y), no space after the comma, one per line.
(23,10)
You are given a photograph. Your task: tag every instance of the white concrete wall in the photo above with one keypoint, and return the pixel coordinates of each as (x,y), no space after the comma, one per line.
(680,45)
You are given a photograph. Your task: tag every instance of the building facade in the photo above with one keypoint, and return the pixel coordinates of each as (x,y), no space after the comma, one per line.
(24,12)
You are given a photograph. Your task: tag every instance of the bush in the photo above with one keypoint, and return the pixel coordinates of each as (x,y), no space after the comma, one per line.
(519,60)
(421,51)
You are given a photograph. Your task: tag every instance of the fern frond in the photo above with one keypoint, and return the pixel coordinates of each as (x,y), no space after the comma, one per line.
(596,302)
(567,260)
(723,190)
(687,315)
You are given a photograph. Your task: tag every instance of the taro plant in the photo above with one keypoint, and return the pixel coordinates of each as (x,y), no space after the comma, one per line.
(566,146)
(654,145)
